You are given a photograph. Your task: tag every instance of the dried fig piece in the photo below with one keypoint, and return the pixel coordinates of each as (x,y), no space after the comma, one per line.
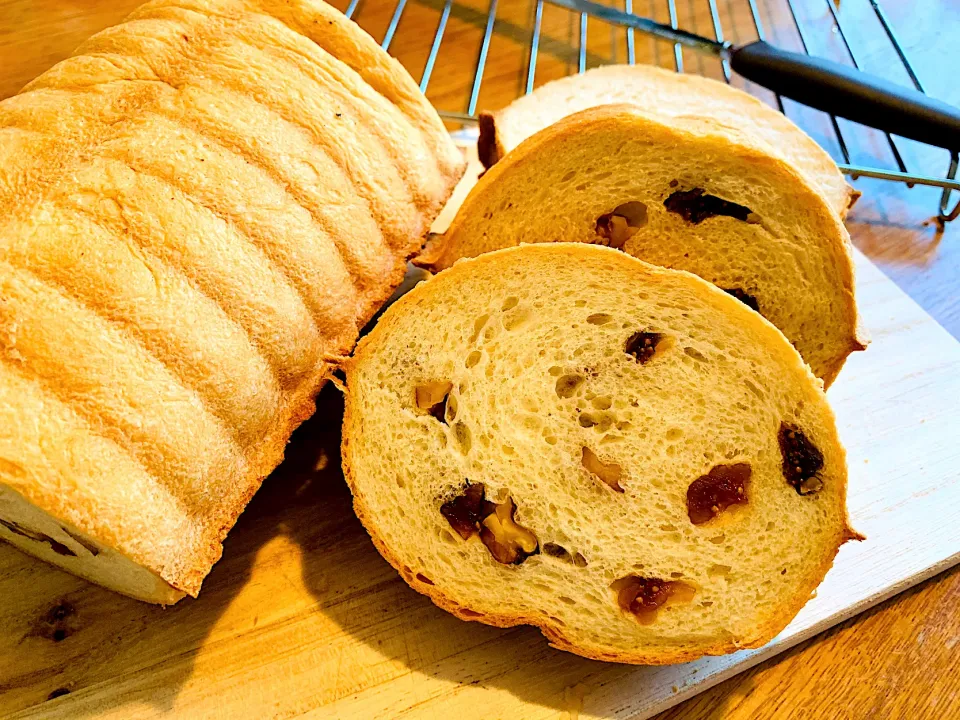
(643,597)
(695,206)
(711,494)
(802,461)
(642,345)
(608,473)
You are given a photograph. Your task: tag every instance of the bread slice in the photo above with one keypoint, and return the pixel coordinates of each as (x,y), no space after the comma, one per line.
(199,209)
(692,194)
(623,455)
(666,95)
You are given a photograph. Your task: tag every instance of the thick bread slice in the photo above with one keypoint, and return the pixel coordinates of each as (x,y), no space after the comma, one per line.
(667,95)
(692,194)
(199,210)
(592,390)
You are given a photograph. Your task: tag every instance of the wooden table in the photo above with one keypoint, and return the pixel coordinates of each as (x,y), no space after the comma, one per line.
(897,660)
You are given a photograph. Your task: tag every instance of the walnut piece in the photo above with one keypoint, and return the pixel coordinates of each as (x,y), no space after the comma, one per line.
(509,542)
(608,473)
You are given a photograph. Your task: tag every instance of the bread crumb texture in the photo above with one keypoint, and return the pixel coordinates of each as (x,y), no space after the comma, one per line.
(585,454)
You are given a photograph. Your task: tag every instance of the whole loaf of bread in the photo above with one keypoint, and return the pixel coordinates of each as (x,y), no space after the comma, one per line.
(197,210)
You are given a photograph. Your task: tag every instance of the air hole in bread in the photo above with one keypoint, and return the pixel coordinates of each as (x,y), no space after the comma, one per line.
(642,597)
(478,326)
(462,435)
(674,434)
(599,318)
(601,402)
(746,298)
(621,223)
(642,346)
(510,303)
(722,487)
(567,385)
(694,354)
(519,317)
(17,529)
(570,175)
(472,359)
(717,570)
(579,560)
(470,513)
(718,539)
(470,613)
(607,472)
(566,600)
(586,420)
(557,551)
(431,398)
(424,579)
(802,461)
(695,206)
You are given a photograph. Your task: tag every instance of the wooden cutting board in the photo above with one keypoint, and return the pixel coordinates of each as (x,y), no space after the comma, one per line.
(302,618)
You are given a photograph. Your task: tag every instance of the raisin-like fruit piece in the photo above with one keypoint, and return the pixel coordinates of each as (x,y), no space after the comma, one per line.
(711,494)
(695,206)
(802,461)
(465,511)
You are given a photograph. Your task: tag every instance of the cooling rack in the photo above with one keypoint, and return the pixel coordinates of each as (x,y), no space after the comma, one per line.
(795,13)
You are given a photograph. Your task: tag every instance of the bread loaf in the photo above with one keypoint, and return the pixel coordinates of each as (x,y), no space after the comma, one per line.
(666,95)
(629,458)
(199,208)
(693,194)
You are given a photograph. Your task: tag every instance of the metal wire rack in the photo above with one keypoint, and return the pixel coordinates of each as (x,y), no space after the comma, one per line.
(903,174)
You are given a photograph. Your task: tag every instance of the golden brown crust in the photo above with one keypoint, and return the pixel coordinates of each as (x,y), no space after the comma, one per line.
(167,152)
(763,634)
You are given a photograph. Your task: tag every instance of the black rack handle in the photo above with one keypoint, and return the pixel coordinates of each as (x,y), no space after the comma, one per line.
(849,93)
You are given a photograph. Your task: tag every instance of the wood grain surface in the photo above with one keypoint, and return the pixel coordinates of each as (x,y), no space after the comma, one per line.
(897,660)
